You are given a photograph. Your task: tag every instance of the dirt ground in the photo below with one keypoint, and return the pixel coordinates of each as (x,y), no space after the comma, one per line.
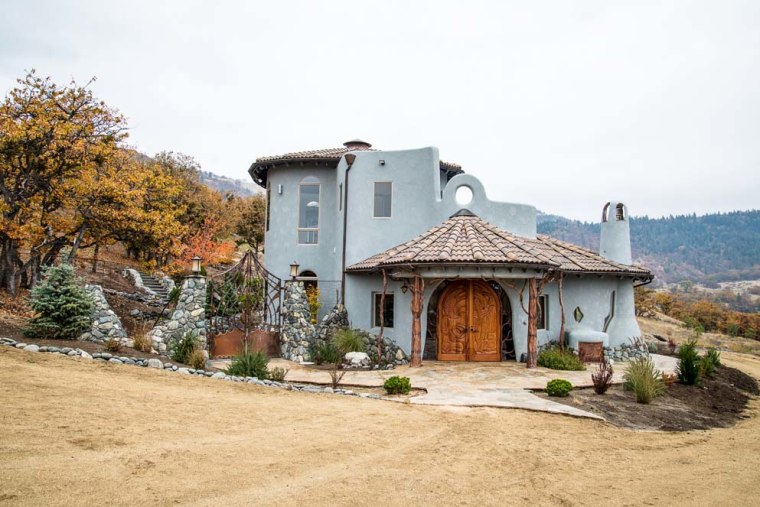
(76,432)
(717,402)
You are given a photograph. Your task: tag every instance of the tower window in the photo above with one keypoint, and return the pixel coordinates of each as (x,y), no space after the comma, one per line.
(383,199)
(620,211)
(308,211)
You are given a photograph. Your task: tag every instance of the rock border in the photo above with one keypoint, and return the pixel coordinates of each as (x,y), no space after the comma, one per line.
(159,365)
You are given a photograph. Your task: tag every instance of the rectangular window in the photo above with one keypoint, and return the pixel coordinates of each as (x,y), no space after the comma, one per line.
(383,199)
(308,214)
(387,309)
(340,201)
(543,312)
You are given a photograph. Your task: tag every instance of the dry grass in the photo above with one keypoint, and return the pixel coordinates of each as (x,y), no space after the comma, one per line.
(89,435)
(668,328)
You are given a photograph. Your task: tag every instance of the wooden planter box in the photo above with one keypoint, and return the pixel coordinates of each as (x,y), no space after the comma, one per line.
(231,343)
(591,352)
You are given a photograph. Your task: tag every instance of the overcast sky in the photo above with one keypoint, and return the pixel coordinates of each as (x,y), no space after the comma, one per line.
(557,105)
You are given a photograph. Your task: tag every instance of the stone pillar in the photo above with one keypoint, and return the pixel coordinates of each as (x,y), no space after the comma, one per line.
(188,316)
(297,332)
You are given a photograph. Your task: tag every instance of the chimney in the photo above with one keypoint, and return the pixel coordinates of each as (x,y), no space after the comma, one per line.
(357,144)
(615,236)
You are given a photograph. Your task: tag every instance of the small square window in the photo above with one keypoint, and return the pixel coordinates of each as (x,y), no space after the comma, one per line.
(543,314)
(383,199)
(387,311)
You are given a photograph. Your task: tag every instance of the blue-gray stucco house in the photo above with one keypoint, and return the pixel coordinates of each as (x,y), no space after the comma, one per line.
(354,217)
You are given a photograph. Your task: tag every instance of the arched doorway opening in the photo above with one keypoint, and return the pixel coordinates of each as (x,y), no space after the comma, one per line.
(309,279)
(501,306)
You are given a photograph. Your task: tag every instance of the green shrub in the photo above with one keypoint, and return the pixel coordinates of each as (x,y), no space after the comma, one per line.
(706,367)
(249,364)
(558,387)
(63,310)
(183,347)
(644,380)
(714,356)
(397,385)
(688,363)
(325,352)
(277,374)
(348,340)
(557,359)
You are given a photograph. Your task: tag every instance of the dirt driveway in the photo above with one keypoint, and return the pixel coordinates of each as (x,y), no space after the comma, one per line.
(75,433)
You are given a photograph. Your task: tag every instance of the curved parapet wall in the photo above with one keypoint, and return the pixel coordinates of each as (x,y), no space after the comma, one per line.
(519,219)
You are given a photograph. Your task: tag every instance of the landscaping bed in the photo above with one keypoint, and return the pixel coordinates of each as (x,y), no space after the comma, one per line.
(717,402)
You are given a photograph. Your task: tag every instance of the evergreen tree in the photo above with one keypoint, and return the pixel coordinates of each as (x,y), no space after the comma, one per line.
(62,308)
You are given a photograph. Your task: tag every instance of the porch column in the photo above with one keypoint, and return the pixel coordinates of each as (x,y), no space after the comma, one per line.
(417,289)
(532,359)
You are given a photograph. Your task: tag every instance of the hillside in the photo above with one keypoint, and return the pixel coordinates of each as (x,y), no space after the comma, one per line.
(707,249)
(225,185)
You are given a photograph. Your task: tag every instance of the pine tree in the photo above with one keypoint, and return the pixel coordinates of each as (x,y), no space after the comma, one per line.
(62,308)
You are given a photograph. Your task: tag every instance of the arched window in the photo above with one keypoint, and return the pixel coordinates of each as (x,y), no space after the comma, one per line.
(308,211)
(605,211)
(309,279)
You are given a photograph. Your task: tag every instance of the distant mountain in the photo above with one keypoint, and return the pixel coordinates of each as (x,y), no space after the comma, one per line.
(227,185)
(707,249)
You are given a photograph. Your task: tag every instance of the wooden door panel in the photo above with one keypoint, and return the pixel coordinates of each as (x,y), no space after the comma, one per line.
(485,325)
(452,323)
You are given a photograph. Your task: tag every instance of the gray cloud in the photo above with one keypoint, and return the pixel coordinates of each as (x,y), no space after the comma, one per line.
(557,105)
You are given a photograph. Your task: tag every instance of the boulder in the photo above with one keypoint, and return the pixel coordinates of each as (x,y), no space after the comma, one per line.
(32,348)
(357,358)
(155,363)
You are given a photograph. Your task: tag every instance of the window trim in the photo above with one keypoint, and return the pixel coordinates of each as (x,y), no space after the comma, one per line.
(300,229)
(543,323)
(269,204)
(374,196)
(376,294)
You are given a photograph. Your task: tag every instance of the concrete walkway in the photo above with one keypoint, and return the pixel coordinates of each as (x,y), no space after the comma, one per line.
(506,384)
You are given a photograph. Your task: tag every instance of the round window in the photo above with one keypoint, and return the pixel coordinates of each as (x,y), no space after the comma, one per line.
(463,195)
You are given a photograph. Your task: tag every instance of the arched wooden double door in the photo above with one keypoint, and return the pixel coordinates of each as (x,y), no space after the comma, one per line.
(469,327)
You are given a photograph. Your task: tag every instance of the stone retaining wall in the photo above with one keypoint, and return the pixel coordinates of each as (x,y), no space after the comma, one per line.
(105,323)
(299,335)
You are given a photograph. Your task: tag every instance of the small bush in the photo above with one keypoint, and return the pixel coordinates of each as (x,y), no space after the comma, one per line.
(557,359)
(249,364)
(558,387)
(602,377)
(688,363)
(142,343)
(706,367)
(397,385)
(183,347)
(113,346)
(278,374)
(669,378)
(644,380)
(197,359)
(325,352)
(714,356)
(348,340)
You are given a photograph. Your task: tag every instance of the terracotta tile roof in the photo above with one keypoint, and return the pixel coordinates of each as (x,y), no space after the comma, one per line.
(332,156)
(466,238)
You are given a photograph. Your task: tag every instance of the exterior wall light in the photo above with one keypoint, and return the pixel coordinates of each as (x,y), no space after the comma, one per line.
(294,270)
(404,288)
(196,265)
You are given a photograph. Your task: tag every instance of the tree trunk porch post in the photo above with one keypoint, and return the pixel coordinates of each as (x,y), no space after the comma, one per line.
(417,289)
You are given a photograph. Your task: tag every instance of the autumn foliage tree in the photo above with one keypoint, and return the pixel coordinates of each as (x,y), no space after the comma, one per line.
(49,135)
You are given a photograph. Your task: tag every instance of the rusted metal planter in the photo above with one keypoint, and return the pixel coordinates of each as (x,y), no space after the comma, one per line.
(231,343)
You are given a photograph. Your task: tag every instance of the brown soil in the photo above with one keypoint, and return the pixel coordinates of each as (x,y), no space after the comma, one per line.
(78,432)
(715,403)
